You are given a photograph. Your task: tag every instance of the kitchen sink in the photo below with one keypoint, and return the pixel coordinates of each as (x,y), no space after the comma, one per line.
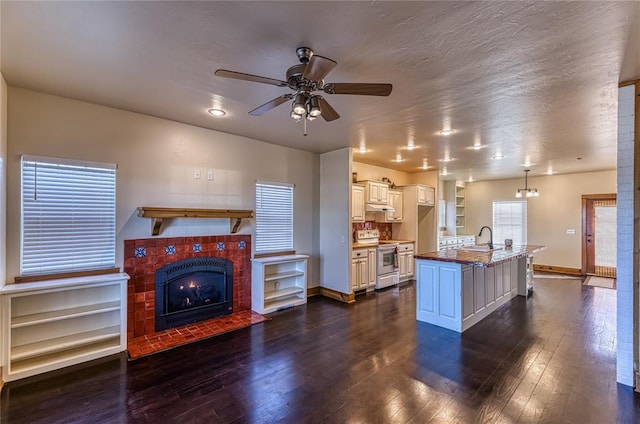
(479,248)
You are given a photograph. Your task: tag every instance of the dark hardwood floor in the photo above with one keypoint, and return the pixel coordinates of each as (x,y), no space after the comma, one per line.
(549,359)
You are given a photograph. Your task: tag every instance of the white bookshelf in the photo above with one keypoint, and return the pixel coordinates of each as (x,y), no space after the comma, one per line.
(278,282)
(53,324)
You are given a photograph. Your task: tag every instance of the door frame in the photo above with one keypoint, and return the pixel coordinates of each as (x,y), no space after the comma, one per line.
(585,199)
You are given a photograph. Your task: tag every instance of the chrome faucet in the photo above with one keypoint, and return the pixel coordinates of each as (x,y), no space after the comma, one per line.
(490,244)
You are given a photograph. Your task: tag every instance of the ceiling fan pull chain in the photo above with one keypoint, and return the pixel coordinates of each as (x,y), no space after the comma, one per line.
(305,126)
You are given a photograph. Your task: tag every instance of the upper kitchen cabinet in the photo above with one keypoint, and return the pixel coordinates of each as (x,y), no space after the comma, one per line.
(426,195)
(376,192)
(357,203)
(395,205)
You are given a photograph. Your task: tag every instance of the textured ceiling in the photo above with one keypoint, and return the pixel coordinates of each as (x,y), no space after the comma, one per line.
(534,81)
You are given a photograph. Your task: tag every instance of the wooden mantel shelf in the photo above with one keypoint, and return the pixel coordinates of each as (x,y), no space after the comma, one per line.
(158,214)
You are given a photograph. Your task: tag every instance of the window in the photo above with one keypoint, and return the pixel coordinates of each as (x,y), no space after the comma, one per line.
(274,217)
(510,221)
(68,216)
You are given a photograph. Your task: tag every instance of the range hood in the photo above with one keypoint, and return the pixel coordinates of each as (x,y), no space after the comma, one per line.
(372,207)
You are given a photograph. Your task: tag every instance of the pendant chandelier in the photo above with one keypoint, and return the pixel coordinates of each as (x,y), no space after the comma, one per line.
(527,191)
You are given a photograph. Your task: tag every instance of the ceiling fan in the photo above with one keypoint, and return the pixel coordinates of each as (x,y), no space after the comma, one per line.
(305,79)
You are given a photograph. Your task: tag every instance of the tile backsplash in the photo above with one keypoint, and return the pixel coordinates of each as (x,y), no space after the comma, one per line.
(383,227)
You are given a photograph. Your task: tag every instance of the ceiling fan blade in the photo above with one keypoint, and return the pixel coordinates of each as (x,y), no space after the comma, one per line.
(248,77)
(318,68)
(270,105)
(358,88)
(328,113)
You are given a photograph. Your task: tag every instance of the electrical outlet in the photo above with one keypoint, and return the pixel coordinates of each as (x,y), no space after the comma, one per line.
(196,174)
(210,175)
(571,231)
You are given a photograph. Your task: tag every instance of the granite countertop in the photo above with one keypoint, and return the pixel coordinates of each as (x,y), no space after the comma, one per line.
(486,259)
(355,245)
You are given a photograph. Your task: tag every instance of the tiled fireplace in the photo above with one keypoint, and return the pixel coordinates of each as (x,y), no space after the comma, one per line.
(143,257)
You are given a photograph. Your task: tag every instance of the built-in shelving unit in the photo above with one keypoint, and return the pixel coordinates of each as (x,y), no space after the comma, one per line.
(159,214)
(278,282)
(460,212)
(53,324)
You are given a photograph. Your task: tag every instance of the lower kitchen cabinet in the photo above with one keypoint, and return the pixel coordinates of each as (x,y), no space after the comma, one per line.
(57,323)
(363,269)
(406,264)
(278,282)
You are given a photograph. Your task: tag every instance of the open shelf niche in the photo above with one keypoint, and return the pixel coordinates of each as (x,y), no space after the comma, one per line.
(278,282)
(52,324)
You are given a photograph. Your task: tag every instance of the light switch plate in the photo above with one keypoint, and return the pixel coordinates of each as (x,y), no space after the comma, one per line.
(196,174)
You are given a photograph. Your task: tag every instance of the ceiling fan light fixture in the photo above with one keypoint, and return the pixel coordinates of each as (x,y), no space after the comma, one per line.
(295,115)
(314,106)
(299,104)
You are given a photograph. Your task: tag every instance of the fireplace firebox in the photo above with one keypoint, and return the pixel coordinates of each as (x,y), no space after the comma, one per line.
(193,290)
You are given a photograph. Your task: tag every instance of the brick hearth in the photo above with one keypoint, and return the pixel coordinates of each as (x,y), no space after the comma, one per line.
(144,256)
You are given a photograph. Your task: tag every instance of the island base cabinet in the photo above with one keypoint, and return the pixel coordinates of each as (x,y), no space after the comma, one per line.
(439,294)
(457,296)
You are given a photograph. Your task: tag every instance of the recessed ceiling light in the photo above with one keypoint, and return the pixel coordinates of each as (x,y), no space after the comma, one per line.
(498,156)
(425,165)
(444,172)
(470,180)
(477,147)
(398,158)
(217,112)
(362,149)
(527,164)
(447,132)
(446,159)
(549,171)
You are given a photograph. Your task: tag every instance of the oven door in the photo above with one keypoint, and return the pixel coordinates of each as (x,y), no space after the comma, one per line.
(387,259)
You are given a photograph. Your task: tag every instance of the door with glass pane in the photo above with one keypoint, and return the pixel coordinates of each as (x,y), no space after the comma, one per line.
(599,235)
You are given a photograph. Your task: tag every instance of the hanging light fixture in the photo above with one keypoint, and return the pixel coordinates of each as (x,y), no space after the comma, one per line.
(527,191)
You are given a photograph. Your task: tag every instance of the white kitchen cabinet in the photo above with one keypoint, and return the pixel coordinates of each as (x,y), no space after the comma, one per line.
(357,203)
(376,192)
(278,282)
(395,202)
(426,195)
(405,261)
(54,324)
(363,274)
(373,267)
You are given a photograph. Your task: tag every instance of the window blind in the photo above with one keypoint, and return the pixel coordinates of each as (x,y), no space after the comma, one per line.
(510,221)
(274,217)
(68,216)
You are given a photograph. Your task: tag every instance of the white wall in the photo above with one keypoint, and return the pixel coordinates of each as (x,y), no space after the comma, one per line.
(156,159)
(335,220)
(377,173)
(558,208)
(626,266)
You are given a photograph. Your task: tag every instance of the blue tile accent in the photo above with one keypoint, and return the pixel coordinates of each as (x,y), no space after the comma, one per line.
(197,248)
(241,244)
(220,246)
(170,250)
(140,252)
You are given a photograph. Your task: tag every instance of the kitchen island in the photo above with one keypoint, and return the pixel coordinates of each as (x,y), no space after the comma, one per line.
(457,288)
